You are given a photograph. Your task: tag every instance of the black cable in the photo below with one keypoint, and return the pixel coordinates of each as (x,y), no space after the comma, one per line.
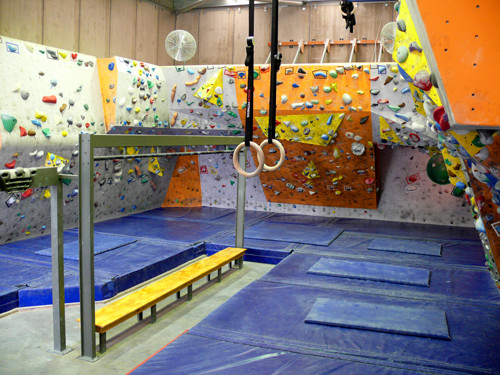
(249,61)
(275,67)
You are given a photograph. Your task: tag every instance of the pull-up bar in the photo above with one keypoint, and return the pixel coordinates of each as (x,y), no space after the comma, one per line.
(327,46)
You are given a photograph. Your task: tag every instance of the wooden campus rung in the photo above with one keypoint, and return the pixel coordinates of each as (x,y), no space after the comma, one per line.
(135,303)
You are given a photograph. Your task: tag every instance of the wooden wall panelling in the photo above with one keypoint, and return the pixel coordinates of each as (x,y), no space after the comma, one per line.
(94,27)
(216,36)
(293,24)
(189,21)
(146,35)
(123,25)
(26,27)
(370,18)
(327,22)
(61,21)
(262,27)
(166,24)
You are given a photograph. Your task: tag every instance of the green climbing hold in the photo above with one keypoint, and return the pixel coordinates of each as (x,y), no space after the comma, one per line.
(394,108)
(46,132)
(231,126)
(327,89)
(333,73)
(477,142)
(255,73)
(9,122)
(402,54)
(236,132)
(436,170)
(219,102)
(86,106)
(263,112)
(79,63)
(150,84)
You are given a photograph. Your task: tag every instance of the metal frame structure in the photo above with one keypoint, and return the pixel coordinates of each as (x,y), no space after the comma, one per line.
(87,144)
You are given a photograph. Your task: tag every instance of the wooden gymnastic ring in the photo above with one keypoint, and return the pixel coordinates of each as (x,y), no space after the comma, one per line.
(260,157)
(282,155)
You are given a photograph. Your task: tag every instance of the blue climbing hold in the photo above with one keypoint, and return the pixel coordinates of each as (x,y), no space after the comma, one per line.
(111,66)
(405,90)
(329,121)
(294,85)
(36,122)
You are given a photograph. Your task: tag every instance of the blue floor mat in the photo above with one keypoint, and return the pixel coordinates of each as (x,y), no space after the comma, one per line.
(102,243)
(167,230)
(271,315)
(354,245)
(260,251)
(379,317)
(466,286)
(185,356)
(294,233)
(192,213)
(406,246)
(411,230)
(299,219)
(371,271)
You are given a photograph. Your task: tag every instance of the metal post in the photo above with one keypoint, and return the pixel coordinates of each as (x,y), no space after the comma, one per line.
(379,51)
(56,235)
(353,48)
(86,243)
(326,50)
(240,201)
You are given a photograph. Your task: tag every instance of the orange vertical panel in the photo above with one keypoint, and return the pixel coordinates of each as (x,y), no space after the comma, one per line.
(108,80)
(185,186)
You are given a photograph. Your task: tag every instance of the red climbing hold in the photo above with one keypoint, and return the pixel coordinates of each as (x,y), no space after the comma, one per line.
(87,125)
(74,56)
(23,131)
(49,99)
(10,165)
(27,194)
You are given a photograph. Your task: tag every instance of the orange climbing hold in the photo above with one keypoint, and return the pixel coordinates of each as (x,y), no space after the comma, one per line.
(49,99)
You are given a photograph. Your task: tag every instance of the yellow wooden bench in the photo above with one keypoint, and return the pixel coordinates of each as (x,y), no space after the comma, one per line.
(135,303)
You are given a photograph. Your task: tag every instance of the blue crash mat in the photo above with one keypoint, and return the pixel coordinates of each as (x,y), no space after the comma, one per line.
(102,243)
(406,246)
(371,271)
(187,232)
(355,246)
(294,233)
(191,213)
(271,315)
(299,219)
(190,354)
(411,230)
(463,285)
(379,317)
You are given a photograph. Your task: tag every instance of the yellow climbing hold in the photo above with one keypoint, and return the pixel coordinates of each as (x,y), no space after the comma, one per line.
(334,86)
(336,153)
(46,194)
(335,179)
(64,133)
(137,109)
(338,192)
(360,92)
(328,101)
(140,72)
(41,116)
(63,54)
(394,69)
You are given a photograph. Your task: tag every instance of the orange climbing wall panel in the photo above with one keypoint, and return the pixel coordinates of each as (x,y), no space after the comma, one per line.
(185,187)
(356,182)
(463,36)
(108,80)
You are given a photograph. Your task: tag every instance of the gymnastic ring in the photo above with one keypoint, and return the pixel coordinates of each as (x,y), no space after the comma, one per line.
(260,157)
(282,154)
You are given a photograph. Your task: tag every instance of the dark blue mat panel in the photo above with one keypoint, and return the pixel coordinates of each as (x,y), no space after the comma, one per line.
(259,251)
(371,271)
(379,317)
(294,233)
(355,245)
(412,230)
(167,230)
(466,286)
(271,315)
(198,355)
(406,246)
(102,243)
(299,219)
(191,213)
(250,217)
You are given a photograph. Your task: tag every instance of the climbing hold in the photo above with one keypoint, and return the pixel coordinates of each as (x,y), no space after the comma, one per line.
(414,47)
(111,66)
(71,102)
(346,98)
(263,112)
(309,104)
(294,85)
(401,25)
(46,132)
(328,101)
(49,99)
(314,89)
(388,80)
(173,119)
(10,165)
(319,74)
(9,122)
(64,133)
(336,153)
(294,128)
(284,99)
(194,82)
(25,95)
(360,92)
(340,70)
(422,80)
(393,108)
(405,90)
(382,69)
(333,73)
(364,119)
(374,91)
(301,71)
(355,76)
(12,48)
(327,89)
(357,149)
(297,105)
(402,54)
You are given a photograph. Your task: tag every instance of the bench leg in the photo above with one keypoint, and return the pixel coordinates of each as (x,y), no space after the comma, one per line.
(153,314)
(230,264)
(219,275)
(178,294)
(190,292)
(240,262)
(102,342)
(140,316)
(208,277)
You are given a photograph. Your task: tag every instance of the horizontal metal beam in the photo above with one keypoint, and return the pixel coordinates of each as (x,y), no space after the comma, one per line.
(157,154)
(127,140)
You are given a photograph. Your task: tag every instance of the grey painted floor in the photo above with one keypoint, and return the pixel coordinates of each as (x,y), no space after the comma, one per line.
(26,335)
